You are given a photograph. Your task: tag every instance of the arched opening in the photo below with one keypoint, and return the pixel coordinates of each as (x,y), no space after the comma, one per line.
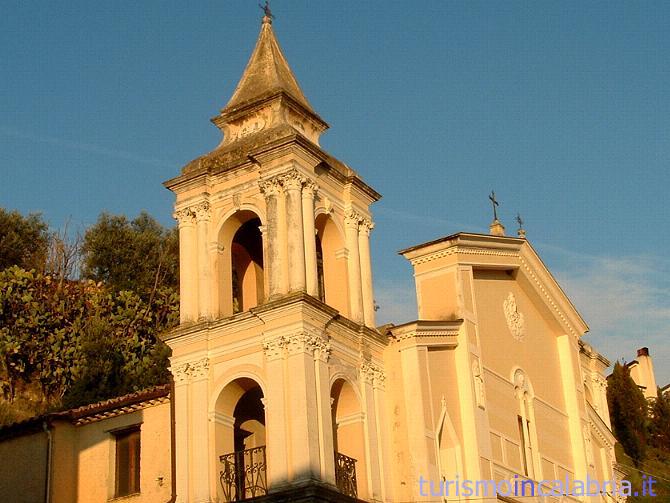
(247,266)
(240,441)
(333,274)
(319,270)
(240,264)
(348,441)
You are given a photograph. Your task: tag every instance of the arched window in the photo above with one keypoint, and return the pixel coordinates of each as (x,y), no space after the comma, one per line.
(526,425)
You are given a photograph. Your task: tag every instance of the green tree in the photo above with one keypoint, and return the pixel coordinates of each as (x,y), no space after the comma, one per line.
(23,240)
(659,428)
(628,412)
(139,255)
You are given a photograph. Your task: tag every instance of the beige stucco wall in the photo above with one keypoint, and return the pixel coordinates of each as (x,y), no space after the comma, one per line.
(23,463)
(96,451)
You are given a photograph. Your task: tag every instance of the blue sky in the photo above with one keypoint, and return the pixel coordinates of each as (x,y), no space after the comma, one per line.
(562,107)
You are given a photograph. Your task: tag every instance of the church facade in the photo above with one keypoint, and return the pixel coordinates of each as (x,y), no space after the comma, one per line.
(285,387)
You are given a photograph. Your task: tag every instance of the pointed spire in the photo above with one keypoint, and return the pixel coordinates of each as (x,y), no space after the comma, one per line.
(267,73)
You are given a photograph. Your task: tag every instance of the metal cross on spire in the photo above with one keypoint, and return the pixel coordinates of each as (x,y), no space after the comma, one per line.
(519,221)
(495,204)
(266,10)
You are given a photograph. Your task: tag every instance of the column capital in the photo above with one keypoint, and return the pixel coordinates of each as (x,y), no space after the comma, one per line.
(190,371)
(180,373)
(271,186)
(308,342)
(372,373)
(293,180)
(274,347)
(309,189)
(184,217)
(202,211)
(366,226)
(352,218)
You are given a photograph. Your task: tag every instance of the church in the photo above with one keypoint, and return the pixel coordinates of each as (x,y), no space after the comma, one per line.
(285,389)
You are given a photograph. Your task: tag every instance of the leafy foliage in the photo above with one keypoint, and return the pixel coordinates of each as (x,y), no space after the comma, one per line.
(23,240)
(138,255)
(67,342)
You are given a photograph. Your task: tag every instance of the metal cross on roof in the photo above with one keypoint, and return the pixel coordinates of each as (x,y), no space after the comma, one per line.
(495,204)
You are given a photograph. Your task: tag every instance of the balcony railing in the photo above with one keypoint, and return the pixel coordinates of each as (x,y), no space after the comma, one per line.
(244,474)
(345,475)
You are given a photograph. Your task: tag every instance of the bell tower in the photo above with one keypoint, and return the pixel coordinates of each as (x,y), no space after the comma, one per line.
(277,363)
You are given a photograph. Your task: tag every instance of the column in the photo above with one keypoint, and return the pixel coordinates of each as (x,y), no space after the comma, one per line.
(200,448)
(272,189)
(202,212)
(296,244)
(188,293)
(351,221)
(181,408)
(366,271)
(311,274)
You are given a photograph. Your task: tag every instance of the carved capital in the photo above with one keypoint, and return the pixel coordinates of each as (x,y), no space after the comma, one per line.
(184,217)
(352,218)
(307,342)
(180,373)
(202,211)
(274,347)
(372,373)
(293,180)
(366,226)
(309,189)
(270,186)
(199,369)
(188,371)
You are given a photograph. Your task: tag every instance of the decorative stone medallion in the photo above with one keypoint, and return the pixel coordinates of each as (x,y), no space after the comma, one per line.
(515,321)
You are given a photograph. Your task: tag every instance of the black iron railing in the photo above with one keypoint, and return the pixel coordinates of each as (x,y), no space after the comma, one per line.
(244,474)
(345,475)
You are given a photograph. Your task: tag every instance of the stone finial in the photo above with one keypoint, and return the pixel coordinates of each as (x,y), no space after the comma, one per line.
(521,232)
(496,228)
